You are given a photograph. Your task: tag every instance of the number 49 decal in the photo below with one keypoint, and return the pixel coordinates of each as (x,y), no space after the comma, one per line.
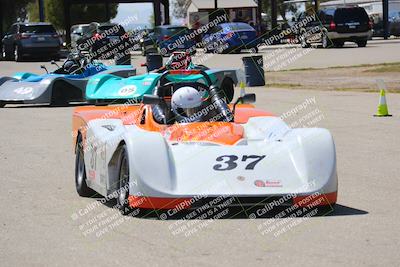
(229,162)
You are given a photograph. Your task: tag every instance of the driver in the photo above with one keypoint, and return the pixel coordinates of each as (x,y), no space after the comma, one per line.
(179,60)
(74,62)
(70,66)
(186,104)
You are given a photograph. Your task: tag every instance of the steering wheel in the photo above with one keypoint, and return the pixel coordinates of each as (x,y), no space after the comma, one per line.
(79,62)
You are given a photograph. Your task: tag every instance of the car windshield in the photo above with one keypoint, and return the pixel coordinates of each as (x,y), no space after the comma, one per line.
(394,14)
(343,15)
(37,29)
(177,30)
(84,29)
(112,29)
(238,26)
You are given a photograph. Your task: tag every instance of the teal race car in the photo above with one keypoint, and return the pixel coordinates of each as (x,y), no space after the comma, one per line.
(107,88)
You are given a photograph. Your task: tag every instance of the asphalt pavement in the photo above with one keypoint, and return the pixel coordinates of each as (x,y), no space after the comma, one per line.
(45,223)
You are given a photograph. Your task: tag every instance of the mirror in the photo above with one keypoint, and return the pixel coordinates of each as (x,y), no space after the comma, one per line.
(246,99)
(54,63)
(44,67)
(151,99)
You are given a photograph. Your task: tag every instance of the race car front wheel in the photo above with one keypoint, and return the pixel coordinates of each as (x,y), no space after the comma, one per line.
(123,178)
(80,171)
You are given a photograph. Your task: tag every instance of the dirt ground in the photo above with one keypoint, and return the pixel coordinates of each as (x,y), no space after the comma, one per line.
(357,78)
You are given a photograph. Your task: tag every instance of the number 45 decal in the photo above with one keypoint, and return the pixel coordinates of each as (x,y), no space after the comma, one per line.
(229,162)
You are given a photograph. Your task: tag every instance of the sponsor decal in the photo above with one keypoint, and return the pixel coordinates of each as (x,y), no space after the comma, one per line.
(273,183)
(268,183)
(127,90)
(23,90)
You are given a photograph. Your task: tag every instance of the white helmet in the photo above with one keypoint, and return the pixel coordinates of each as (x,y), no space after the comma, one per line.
(186,102)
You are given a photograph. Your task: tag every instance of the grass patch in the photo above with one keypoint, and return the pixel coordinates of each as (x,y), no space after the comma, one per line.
(386,68)
(284,85)
(392,67)
(366,90)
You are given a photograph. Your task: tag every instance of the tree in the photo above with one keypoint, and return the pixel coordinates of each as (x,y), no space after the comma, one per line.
(80,13)
(178,8)
(16,11)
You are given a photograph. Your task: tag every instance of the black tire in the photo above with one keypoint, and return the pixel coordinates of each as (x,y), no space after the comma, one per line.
(143,51)
(236,50)
(228,88)
(4,55)
(326,210)
(58,99)
(362,43)
(2,104)
(303,40)
(206,50)
(17,54)
(123,179)
(325,40)
(338,44)
(100,103)
(80,171)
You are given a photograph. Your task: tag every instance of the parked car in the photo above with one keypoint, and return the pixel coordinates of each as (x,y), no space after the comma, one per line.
(167,39)
(394,23)
(230,37)
(102,40)
(31,39)
(77,34)
(337,26)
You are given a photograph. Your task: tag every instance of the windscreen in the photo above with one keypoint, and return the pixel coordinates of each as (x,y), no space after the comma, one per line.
(239,27)
(112,30)
(37,29)
(343,15)
(177,30)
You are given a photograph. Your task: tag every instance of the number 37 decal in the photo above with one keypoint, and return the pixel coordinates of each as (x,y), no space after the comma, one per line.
(228,162)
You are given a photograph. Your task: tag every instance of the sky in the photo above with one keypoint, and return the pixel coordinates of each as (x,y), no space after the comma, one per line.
(135,15)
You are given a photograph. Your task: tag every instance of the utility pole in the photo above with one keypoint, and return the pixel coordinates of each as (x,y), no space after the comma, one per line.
(385,9)
(41,10)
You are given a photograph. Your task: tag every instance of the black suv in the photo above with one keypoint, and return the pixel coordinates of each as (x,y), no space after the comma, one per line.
(34,39)
(336,25)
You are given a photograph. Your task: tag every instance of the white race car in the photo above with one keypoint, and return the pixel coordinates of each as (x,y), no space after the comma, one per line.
(184,146)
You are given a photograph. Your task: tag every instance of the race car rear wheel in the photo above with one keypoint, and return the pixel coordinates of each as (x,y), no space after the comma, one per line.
(123,178)
(2,104)
(80,171)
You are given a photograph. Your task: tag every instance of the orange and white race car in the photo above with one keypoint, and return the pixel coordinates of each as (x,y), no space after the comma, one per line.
(184,146)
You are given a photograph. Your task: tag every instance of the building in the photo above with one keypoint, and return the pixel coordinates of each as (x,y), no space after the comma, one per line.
(203,11)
